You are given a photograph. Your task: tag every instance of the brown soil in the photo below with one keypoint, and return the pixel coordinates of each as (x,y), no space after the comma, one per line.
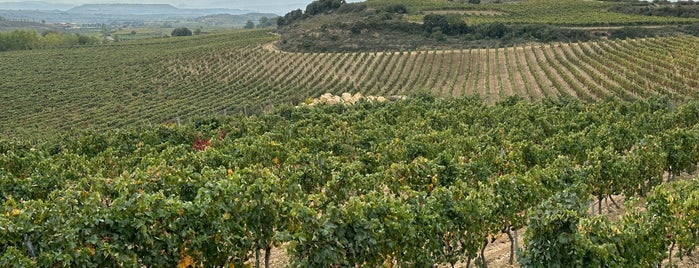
(536,92)
(539,53)
(517,79)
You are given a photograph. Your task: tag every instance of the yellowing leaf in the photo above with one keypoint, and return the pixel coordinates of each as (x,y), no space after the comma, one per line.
(14,212)
(185,261)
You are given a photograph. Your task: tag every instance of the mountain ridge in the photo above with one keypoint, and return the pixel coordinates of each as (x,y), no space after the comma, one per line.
(149,9)
(34,5)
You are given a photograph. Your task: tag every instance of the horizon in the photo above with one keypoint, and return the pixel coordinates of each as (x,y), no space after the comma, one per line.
(279,7)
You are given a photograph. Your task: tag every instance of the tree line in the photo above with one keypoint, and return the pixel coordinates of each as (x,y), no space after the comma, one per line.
(29,39)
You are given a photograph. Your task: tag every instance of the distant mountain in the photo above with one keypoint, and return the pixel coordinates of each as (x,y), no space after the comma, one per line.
(228,20)
(148,9)
(34,5)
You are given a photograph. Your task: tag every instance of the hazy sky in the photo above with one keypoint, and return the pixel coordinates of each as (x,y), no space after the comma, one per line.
(275,6)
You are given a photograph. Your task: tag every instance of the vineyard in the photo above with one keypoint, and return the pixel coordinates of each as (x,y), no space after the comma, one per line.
(219,150)
(48,92)
(415,183)
(554,12)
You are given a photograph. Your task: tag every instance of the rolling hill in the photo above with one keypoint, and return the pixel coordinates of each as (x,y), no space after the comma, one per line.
(215,150)
(167,80)
(159,81)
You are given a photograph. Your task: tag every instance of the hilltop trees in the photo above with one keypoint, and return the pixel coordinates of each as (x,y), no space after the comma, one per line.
(323,6)
(182,31)
(290,17)
(314,8)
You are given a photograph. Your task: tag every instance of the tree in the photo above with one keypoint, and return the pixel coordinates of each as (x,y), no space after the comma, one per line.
(265,22)
(433,22)
(474,1)
(495,30)
(323,6)
(182,31)
(290,17)
(249,25)
(449,25)
(397,8)
(197,31)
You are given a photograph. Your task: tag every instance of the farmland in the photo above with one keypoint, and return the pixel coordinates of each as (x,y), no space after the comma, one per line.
(564,12)
(417,182)
(218,150)
(163,80)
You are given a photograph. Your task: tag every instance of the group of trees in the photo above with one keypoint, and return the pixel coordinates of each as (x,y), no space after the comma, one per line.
(30,39)
(437,25)
(181,31)
(314,8)
(680,9)
(264,22)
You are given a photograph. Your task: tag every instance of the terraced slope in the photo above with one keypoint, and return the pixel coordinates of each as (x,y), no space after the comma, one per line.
(161,81)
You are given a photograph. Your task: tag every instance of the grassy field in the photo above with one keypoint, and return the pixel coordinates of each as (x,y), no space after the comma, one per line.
(166,80)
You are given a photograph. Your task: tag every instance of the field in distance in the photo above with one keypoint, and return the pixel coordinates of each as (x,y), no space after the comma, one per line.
(166,80)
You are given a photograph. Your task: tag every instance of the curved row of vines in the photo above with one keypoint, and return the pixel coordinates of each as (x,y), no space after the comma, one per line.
(417,182)
(170,80)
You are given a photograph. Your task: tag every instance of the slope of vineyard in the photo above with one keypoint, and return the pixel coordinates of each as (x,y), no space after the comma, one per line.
(555,12)
(159,81)
(412,183)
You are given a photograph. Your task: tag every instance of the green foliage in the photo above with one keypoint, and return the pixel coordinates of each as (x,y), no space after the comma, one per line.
(397,8)
(450,25)
(553,12)
(362,185)
(551,238)
(182,31)
(163,81)
(266,22)
(291,17)
(323,6)
(19,40)
(249,25)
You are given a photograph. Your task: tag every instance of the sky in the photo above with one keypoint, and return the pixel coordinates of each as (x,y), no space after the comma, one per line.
(275,6)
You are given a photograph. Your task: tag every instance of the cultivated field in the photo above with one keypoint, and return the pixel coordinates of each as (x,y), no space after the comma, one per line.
(166,80)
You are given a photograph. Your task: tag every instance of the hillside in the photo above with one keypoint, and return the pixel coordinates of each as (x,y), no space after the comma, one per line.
(34,5)
(414,133)
(379,25)
(146,9)
(138,9)
(116,13)
(223,20)
(240,72)
(7,25)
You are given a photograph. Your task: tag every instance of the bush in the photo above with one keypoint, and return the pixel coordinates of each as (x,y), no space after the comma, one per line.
(182,31)
(398,8)
(449,25)
(352,8)
(323,6)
